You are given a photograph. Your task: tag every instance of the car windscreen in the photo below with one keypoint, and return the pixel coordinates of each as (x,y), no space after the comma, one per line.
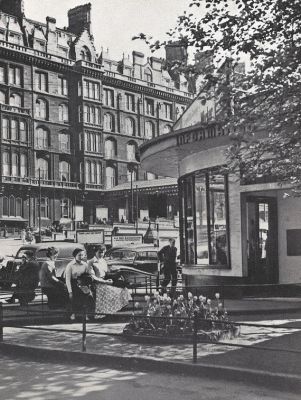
(147,255)
(122,255)
(22,252)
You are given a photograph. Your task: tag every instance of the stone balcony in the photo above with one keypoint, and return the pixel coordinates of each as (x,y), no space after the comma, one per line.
(15,109)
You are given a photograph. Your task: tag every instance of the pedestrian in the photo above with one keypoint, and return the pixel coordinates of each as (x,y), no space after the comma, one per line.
(23,236)
(78,281)
(51,285)
(27,279)
(167,255)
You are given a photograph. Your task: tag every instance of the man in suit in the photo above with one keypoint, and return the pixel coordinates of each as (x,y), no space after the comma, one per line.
(167,255)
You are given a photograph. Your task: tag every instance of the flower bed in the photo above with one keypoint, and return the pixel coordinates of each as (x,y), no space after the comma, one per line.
(166,320)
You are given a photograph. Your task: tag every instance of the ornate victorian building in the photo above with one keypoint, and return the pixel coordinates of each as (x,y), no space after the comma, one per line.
(72,121)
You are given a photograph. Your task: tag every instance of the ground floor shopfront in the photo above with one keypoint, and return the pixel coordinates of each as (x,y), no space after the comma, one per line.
(229,232)
(32,205)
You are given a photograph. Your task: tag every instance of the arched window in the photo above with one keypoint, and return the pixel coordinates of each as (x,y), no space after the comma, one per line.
(2,97)
(108,122)
(15,164)
(110,148)
(130,126)
(14,129)
(5,128)
(42,165)
(97,116)
(23,166)
(148,76)
(85,54)
(110,177)
(5,206)
(44,206)
(5,164)
(64,142)
(149,130)
(15,100)
(23,131)
(42,138)
(12,206)
(64,171)
(41,109)
(19,207)
(63,113)
(131,148)
(166,129)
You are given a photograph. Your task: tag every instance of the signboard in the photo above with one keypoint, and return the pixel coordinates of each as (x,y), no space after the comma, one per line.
(90,237)
(293,238)
(126,240)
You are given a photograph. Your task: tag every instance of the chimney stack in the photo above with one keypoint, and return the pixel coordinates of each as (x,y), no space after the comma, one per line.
(13,7)
(80,18)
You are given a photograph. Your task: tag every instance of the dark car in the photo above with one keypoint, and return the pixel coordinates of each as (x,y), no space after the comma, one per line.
(137,264)
(8,274)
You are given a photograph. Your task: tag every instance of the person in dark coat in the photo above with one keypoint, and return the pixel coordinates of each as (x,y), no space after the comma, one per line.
(27,280)
(167,255)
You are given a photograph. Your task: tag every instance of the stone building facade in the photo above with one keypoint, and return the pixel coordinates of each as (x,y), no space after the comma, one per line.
(72,119)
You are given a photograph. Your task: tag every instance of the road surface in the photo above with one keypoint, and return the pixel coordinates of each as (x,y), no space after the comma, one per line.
(28,380)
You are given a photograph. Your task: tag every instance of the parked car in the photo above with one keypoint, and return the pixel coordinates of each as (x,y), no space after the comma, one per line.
(8,274)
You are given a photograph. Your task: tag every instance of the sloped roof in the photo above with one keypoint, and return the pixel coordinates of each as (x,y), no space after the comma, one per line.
(155,183)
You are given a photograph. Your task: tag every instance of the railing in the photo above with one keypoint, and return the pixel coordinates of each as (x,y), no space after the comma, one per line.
(148,84)
(88,64)
(15,109)
(94,186)
(110,154)
(44,182)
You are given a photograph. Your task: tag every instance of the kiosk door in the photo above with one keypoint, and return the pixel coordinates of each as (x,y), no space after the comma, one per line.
(262,240)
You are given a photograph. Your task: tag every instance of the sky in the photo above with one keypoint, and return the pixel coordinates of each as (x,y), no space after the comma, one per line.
(115,22)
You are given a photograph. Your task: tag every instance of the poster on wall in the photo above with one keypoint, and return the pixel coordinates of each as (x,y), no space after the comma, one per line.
(126,240)
(90,237)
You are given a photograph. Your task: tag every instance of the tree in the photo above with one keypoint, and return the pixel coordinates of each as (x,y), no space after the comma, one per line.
(264,104)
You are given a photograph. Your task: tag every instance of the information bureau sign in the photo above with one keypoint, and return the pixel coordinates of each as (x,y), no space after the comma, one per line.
(126,240)
(200,134)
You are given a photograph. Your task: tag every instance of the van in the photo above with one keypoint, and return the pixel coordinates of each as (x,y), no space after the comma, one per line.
(8,274)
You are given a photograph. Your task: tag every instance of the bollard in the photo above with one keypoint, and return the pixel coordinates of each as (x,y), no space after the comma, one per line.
(195,337)
(84,335)
(1,322)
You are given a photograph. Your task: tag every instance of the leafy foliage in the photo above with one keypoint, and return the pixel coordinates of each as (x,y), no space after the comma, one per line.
(262,109)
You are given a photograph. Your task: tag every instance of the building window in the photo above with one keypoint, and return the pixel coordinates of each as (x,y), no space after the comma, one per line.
(66,208)
(110,148)
(44,207)
(63,86)
(149,130)
(5,128)
(42,81)
(15,164)
(167,110)
(131,174)
(108,122)
(41,109)
(5,164)
(91,90)
(131,149)
(14,129)
(148,76)
(42,168)
(12,207)
(150,107)
(150,176)
(12,38)
(15,100)
(64,142)
(2,74)
(130,102)
(64,171)
(19,207)
(5,206)
(166,129)
(110,177)
(23,166)
(63,113)
(2,97)
(130,126)
(108,97)
(85,54)
(23,131)
(204,218)
(92,115)
(93,142)
(42,138)
(14,76)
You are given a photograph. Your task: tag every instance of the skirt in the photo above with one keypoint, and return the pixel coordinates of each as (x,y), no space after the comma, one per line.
(110,299)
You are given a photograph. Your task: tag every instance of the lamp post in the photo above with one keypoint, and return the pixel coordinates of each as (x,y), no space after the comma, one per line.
(131,167)
(40,200)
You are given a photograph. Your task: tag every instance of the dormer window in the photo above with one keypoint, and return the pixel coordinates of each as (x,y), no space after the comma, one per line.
(148,76)
(85,54)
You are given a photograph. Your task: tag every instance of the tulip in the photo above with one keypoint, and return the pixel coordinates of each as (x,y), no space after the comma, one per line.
(217,296)
(190,295)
